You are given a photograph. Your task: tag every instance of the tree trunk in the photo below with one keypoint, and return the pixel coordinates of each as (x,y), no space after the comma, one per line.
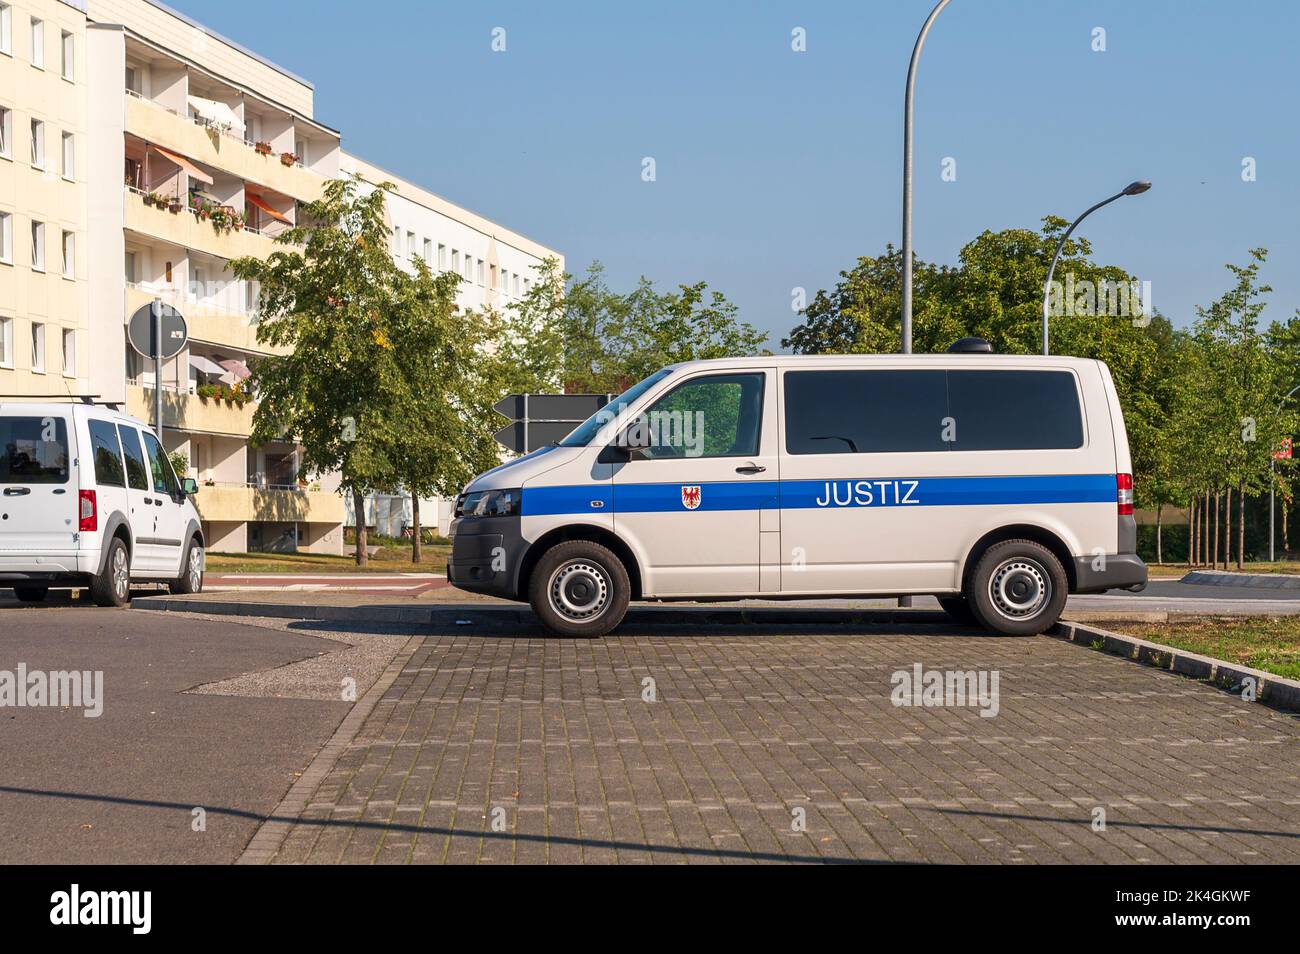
(415,522)
(359,509)
(1241,525)
(1286,540)
(1227,527)
(1191,532)
(1214,543)
(1159,553)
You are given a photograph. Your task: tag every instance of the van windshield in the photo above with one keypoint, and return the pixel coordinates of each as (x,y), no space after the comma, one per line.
(582,435)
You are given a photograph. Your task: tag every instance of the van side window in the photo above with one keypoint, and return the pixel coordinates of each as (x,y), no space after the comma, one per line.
(164,481)
(716,416)
(1015,410)
(137,473)
(33,450)
(108,454)
(864,412)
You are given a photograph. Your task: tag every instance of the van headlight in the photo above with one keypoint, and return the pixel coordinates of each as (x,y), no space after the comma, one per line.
(489,503)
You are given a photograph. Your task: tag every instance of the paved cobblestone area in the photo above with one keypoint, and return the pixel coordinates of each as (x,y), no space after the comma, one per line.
(516,749)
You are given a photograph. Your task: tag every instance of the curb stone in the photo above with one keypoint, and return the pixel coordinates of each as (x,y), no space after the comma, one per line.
(1271,690)
(270,835)
(1267,581)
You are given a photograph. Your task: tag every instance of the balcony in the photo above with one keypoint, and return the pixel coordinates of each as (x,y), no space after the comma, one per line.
(206,144)
(237,503)
(186,229)
(217,320)
(189,412)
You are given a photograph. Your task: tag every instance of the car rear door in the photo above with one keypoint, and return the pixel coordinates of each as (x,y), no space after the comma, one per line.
(38,498)
(140,497)
(169,506)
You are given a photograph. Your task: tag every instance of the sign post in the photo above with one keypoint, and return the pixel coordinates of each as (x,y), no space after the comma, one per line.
(540,419)
(157,331)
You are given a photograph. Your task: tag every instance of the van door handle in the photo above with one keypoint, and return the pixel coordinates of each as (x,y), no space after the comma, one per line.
(148,500)
(17,491)
(750,469)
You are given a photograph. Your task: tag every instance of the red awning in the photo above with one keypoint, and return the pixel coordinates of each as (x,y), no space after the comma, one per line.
(258,201)
(194,171)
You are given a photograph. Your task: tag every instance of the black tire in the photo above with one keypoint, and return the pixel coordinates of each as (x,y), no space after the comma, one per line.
(112,587)
(580,589)
(191,579)
(1018,588)
(958,609)
(31,594)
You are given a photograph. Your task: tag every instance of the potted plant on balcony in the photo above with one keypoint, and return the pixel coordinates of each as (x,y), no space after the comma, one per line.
(148,198)
(289,158)
(207,392)
(263,148)
(174,204)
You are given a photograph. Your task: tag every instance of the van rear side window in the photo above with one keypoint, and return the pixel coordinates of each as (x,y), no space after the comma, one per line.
(33,450)
(108,454)
(902,411)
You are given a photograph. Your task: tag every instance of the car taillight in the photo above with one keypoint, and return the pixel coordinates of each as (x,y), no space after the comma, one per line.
(1124,492)
(89,513)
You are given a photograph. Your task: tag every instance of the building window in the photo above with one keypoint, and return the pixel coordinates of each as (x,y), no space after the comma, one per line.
(38,144)
(69,255)
(6,132)
(6,29)
(455,261)
(515,279)
(129,267)
(38,347)
(6,238)
(69,157)
(492,269)
(38,44)
(68,65)
(69,352)
(6,342)
(442,257)
(38,246)
(480,271)
(410,245)
(428,252)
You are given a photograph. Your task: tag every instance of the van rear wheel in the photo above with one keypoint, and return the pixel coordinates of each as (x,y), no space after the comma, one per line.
(1018,588)
(579,588)
(31,594)
(112,586)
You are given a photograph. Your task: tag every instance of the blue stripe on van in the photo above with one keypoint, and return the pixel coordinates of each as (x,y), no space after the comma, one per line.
(814,494)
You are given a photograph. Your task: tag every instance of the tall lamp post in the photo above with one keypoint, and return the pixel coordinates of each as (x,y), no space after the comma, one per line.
(1272,482)
(907,175)
(1133,188)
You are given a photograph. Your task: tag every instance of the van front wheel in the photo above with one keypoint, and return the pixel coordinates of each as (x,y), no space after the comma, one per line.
(1018,588)
(579,588)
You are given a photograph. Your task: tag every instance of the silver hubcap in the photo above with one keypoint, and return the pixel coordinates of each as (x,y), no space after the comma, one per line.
(121,576)
(196,568)
(1020,588)
(579,590)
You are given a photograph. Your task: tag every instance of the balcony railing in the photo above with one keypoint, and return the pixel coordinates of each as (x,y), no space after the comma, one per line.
(223,128)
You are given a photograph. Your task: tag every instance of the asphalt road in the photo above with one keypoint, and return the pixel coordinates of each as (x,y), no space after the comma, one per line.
(121,787)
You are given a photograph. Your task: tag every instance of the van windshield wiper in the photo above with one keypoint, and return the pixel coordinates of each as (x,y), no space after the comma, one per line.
(836,437)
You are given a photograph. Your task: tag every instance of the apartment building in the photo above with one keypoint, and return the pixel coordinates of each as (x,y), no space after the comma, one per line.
(44,300)
(139,153)
(497,266)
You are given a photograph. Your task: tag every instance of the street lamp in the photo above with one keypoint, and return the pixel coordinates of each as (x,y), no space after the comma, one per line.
(1133,188)
(907,176)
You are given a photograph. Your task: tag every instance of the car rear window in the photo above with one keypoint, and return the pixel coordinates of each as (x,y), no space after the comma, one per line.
(902,411)
(33,450)
(108,454)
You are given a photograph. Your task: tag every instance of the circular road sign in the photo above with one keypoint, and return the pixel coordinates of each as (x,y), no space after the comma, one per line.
(174,332)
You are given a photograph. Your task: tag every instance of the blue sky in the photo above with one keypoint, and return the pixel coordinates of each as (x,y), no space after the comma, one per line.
(775,169)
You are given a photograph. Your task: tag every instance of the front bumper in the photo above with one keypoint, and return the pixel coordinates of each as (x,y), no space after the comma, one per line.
(486,555)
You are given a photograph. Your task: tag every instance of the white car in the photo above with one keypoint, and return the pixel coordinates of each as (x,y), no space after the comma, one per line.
(88,498)
(999,484)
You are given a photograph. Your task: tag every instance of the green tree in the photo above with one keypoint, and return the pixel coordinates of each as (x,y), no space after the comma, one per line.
(328,307)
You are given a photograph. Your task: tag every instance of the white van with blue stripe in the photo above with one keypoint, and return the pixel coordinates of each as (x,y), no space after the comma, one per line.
(999,484)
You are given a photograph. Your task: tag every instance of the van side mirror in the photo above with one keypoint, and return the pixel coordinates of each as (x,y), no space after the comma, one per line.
(189,486)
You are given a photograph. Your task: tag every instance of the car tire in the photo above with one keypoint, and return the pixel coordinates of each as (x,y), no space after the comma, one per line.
(958,609)
(579,589)
(1018,588)
(112,587)
(31,594)
(191,579)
